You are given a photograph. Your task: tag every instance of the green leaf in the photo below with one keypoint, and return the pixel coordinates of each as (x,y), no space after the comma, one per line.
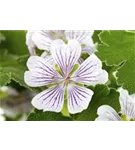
(4,78)
(102,96)
(95,36)
(15,42)
(119,47)
(112,83)
(11,68)
(2,37)
(47,116)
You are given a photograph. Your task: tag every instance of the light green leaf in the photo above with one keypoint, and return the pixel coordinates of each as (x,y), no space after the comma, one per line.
(15,42)
(119,47)
(102,96)
(4,78)
(47,116)
(133,31)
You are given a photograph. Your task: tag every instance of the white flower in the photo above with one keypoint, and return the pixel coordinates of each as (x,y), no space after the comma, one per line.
(48,58)
(41,39)
(127,102)
(107,113)
(65,79)
(44,38)
(37,38)
(29,42)
(84,37)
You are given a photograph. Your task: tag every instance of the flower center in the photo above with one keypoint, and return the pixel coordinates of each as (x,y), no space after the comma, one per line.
(67,80)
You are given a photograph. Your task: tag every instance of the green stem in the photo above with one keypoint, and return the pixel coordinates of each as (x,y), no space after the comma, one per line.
(65,108)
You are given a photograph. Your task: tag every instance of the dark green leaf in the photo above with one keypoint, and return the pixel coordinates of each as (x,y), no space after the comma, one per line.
(47,116)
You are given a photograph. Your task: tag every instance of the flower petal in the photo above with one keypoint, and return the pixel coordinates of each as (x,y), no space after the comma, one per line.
(84,37)
(80,35)
(51,99)
(80,60)
(41,72)
(78,98)
(89,40)
(127,103)
(107,113)
(89,49)
(90,72)
(48,58)
(103,118)
(43,39)
(133,97)
(29,42)
(66,55)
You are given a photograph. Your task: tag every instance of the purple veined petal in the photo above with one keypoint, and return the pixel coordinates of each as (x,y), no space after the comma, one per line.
(51,99)
(88,49)
(107,113)
(29,42)
(90,72)
(80,60)
(48,58)
(80,35)
(43,39)
(69,34)
(127,103)
(89,41)
(40,73)
(78,98)
(84,37)
(66,55)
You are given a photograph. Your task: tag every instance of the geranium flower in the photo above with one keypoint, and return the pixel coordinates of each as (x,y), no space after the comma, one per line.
(29,42)
(84,37)
(44,38)
(64,79)
(127,113)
